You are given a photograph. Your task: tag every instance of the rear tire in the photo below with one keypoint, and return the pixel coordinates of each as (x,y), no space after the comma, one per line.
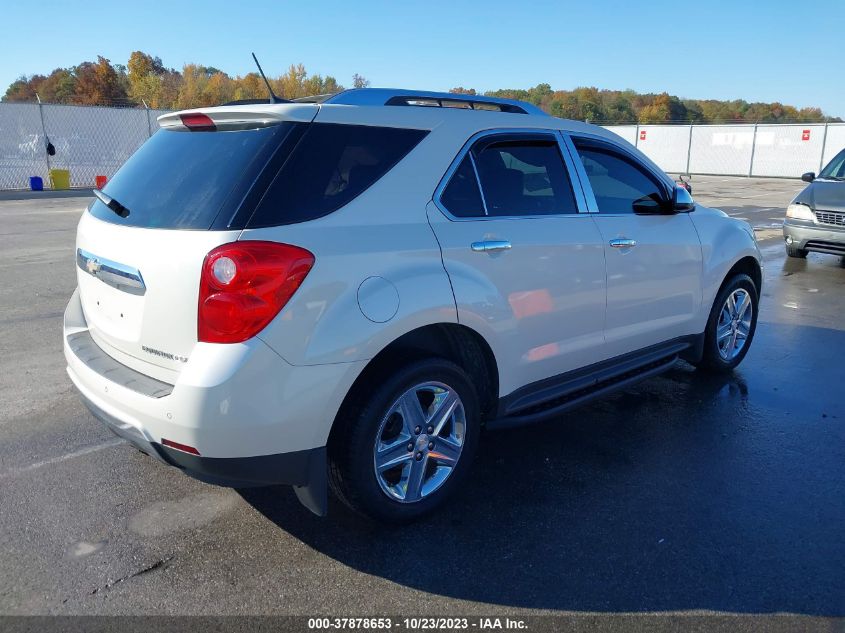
(798,253)
(730,329)
(394,461)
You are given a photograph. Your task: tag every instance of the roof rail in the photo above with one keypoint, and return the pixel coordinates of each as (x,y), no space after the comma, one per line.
(388,96)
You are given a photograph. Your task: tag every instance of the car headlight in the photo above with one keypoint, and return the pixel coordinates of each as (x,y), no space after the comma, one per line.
(800,212)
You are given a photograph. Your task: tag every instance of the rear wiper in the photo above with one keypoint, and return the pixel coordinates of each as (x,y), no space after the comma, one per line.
(112,204)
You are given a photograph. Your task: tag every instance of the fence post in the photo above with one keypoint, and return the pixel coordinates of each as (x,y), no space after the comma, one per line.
(637,136)
(44,131)
(753,146)
(689,147)
(824,144)
(149,125)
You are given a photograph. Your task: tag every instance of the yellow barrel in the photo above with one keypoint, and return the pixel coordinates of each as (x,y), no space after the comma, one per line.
(60,178)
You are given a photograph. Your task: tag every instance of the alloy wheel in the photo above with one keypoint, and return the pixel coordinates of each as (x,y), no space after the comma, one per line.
(419,442)
(734,325)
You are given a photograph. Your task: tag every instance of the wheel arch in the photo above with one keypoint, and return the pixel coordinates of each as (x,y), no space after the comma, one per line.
(747,265)
(458,343)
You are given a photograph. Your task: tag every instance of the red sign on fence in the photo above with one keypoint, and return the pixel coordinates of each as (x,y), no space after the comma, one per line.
(805,135)
(642,135)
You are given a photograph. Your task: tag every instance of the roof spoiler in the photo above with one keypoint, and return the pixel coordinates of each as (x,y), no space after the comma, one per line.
(237,117)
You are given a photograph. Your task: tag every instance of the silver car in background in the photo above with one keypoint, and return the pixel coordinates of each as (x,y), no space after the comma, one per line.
(815,219)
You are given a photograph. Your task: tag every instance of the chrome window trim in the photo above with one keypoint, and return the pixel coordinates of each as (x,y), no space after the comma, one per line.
(585,181)
(590,203)
(477,182)
(554,135)
(112,273)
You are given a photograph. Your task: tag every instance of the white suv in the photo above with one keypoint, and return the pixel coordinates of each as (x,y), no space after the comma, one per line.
(346,291)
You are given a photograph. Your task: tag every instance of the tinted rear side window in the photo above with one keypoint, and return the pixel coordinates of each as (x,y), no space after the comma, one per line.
(461,196)
(183,180)
(330,166)
(524,177)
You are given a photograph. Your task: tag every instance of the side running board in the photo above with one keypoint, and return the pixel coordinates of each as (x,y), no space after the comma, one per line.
(577,392)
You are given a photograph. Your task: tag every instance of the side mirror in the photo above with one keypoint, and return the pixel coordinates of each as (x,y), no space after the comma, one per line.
(650,205)
(810,176)
(682,201)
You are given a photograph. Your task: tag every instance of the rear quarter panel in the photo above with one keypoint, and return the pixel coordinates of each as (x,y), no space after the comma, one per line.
(382,233)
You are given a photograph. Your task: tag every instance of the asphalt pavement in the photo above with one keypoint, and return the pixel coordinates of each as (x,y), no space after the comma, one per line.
(687,494)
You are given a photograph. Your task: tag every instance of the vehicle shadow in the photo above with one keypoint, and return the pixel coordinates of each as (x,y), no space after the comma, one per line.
(688,491)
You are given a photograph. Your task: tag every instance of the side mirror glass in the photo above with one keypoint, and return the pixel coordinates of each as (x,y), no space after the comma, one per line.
(682,201)
(810,176)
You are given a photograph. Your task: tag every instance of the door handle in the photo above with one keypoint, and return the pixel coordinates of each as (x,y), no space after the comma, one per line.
(623,243)
(490,246)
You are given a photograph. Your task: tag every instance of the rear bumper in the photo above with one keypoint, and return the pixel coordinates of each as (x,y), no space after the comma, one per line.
(254,419)
(814,237)
(236,472)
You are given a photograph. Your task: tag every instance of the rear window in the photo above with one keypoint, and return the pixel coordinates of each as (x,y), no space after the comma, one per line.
(330,166)
(461,196)
(184,180)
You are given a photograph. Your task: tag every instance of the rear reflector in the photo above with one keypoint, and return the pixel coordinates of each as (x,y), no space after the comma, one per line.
(180,447)
(198,122)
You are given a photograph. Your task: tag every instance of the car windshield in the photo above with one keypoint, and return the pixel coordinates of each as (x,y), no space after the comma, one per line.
(835,169)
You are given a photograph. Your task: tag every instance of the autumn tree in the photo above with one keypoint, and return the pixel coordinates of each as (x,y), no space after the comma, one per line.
(291,84)
(98,83)
(663,109)
(193,87)
(24,88)
(218,89)
(250,86)
(145,79)
(145,73)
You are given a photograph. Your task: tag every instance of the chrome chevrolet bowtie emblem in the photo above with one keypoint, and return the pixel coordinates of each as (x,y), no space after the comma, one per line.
(92,266)
(120,276)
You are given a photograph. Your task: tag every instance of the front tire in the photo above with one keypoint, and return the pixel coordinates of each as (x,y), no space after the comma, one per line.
(798,253)
(400,450)
(731,325)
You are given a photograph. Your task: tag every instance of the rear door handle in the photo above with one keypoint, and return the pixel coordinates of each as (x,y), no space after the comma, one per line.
(623,243)
(490,246)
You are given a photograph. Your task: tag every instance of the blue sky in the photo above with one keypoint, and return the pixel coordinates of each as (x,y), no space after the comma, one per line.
(772,51)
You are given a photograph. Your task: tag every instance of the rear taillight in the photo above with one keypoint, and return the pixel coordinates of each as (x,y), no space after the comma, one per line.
(244,285)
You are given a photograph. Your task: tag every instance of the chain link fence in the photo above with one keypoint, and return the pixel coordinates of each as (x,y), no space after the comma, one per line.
(93,141)
(770,150)
(89,141)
